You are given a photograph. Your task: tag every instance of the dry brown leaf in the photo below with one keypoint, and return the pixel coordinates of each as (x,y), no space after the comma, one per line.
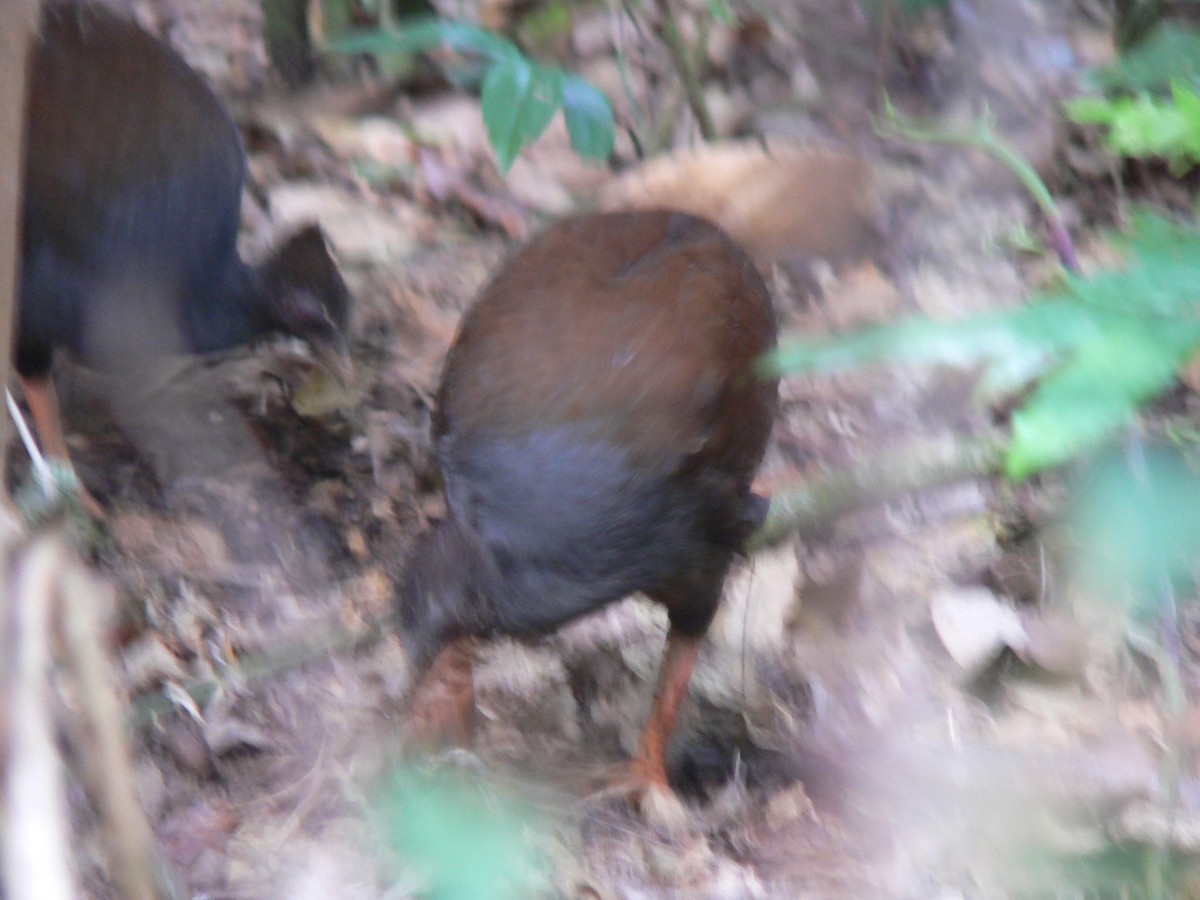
(446,180)
(781,200)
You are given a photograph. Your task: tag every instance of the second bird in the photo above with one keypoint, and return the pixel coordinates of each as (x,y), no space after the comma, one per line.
(132,190)
(598,427)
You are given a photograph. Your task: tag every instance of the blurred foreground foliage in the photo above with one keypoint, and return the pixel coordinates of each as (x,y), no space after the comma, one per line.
(1147,100)
(457,836)
(1089,352)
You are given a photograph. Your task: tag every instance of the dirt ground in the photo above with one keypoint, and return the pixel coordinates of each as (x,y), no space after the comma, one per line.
(835,744)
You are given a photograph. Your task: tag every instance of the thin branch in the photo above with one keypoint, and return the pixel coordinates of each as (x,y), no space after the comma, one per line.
(687,71)
(984,137)
(105,753)
(822,498)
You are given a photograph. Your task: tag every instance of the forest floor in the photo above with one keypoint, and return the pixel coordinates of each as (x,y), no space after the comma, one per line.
(832,746)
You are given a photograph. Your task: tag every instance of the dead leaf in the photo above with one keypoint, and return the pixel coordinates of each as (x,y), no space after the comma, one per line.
(445,182)
(776,201)
(321,394)
(975,627)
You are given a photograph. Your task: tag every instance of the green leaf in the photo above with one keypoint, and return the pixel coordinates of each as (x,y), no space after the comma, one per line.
(423,34)
(589,117)
(1161,274)
(1095,393)
(1146,126)
(519,100)
(466,838)
(1103,344)
(1091,110)
(1135,527)
(1169,52)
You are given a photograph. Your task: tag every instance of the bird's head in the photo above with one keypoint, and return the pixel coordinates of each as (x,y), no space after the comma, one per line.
(308,299)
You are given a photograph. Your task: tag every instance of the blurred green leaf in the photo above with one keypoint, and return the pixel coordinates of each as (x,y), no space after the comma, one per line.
(1147,126)
(519,96)
(1092,395)
(1133,530)
(468,839)
(1168,53)
(519,100)
(1103,344)
(589,117)
(424,34)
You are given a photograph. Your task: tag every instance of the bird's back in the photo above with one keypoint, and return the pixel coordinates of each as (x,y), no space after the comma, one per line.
(599,421)
(133,174)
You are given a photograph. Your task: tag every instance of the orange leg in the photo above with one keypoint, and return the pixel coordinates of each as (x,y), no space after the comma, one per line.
(444,701)
(47,419)
(649,764)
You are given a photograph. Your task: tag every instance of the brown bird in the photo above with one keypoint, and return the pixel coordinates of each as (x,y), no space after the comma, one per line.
(598,426)
(132,189)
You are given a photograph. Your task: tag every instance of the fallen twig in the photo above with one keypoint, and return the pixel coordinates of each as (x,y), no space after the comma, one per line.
(106,754)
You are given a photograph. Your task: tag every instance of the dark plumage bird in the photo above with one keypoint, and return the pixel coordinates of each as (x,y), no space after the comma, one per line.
(598,427)
(132,189)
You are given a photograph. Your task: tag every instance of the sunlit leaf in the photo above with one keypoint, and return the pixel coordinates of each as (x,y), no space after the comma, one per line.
(1147,126)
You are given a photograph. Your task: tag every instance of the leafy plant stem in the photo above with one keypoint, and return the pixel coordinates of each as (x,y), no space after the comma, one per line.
(984,137)
(687,72)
